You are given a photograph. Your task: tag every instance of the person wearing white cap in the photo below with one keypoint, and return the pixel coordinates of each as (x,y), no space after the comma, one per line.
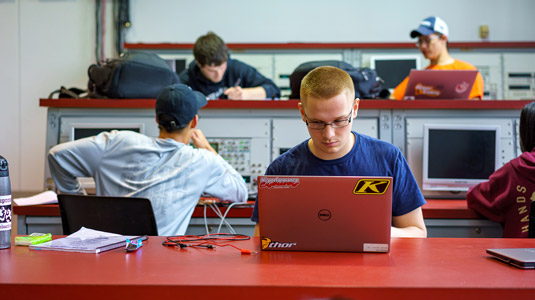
(432,41)
(164,169)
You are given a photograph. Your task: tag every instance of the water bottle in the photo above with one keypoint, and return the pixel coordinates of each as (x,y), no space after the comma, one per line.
(5,205)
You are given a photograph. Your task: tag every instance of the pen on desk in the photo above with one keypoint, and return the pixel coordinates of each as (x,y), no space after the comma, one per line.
(237,82)
(135,243)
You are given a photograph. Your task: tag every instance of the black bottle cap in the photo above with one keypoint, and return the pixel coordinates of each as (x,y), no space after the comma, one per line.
(4,170)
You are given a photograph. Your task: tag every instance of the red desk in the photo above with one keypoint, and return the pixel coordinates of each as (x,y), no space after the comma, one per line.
(438,268)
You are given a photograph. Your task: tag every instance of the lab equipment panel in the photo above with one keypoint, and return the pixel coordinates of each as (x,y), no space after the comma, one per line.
(244,143)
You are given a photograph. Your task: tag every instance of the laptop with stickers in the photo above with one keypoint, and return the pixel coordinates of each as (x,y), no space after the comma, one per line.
(440,84)
(325,213)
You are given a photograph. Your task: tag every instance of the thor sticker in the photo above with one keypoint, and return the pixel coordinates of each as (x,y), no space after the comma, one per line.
(371,186)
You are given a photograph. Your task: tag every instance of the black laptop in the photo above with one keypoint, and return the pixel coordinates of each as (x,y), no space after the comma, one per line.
(121,215)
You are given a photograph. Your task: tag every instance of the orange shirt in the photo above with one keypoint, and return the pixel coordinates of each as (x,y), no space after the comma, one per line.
(477,89)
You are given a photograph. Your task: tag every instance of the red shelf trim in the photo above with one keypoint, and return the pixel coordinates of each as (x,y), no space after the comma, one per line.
(289,104)
(179,46)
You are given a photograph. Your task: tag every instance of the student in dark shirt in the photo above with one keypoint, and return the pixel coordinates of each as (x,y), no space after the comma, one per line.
(217,76)
(506,197)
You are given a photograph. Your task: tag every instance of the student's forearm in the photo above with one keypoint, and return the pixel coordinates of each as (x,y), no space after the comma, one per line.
(411,231)
(254,93)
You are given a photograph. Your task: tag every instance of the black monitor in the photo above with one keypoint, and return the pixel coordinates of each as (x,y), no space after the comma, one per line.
(457,157)
(394,68)
(83,130)
(87,132)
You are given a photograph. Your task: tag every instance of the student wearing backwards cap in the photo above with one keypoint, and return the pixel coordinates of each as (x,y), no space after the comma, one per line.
(432,41)
(164,169)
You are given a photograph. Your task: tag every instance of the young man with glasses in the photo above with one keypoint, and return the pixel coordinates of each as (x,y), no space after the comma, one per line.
(328,107)
(432,41)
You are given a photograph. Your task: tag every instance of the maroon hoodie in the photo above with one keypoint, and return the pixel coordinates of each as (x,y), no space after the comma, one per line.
(507,195)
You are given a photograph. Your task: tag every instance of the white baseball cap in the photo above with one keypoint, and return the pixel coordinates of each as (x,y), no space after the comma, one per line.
(429,26)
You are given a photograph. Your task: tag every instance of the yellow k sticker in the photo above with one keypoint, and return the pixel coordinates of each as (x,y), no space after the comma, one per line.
(371,186)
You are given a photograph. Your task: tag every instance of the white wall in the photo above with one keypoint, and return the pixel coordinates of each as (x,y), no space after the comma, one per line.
(49,43)
(182,21)
(10,127)
(45,44)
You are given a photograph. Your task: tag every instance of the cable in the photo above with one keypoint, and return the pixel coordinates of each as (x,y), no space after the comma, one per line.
(225,215)
(206,221)
(98,37)
(122,23)
(209,241)
(103,33)
(215,208)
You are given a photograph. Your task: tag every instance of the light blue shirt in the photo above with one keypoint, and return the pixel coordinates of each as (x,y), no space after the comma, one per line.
(169,173)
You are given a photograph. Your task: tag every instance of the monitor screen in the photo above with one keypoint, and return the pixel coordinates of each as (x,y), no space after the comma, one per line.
(457,157)
(394,68)
(87,132)
(82,130)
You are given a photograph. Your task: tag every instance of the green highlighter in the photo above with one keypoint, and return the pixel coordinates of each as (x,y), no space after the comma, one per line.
(33,239)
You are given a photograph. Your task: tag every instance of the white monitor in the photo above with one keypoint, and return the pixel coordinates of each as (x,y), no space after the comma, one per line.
(457,157)
(394,68)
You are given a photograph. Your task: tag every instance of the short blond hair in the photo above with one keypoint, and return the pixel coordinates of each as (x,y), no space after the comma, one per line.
(326,82)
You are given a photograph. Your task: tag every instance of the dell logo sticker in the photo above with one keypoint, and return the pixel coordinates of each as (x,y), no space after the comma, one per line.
(324,215)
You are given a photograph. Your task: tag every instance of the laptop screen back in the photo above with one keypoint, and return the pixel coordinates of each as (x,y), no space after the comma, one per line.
(440,84)
(523,258)
(325,213)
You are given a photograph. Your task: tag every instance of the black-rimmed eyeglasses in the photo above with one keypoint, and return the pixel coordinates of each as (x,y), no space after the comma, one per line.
(335,124)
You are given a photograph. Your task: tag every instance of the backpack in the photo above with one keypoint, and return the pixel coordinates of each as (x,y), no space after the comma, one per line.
(136,74)
(367,83)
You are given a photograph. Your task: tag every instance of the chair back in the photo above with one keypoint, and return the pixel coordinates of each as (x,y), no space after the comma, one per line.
(121,215)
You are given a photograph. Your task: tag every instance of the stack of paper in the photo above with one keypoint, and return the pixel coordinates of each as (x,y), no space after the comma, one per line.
(85,241)
(48,197)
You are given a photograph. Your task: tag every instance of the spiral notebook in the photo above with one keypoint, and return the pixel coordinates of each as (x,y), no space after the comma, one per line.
(86,241)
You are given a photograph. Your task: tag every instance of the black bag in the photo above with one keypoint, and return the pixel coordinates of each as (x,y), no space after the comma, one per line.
(367,83)
(136,74)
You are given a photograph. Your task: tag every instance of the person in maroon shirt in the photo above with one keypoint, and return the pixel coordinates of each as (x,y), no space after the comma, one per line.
(506,197)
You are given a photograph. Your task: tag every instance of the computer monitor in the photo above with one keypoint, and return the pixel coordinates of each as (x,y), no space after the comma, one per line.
(457,157)
(83,130)
(394,68)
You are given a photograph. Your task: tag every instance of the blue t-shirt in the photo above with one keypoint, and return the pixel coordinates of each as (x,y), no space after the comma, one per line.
(368,157)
